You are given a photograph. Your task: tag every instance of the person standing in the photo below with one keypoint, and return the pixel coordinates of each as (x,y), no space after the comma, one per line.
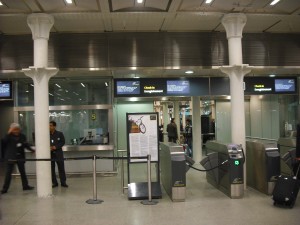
(14,144)
(57,141)
(172,131)
(188,133)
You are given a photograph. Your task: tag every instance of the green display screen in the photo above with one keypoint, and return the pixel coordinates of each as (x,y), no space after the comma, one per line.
(236,162)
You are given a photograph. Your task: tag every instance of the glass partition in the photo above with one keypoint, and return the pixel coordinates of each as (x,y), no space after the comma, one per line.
(80,127)
(67,91)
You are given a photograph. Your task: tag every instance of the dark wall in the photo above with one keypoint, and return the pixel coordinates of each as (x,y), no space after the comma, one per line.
(150,50)
(6,118)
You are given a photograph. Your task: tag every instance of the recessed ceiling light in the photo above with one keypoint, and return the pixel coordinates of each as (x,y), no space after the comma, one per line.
(189,72)
(274,2)
(69,1)
(272,75)
(58,85)
(140,1)
(82,85)
(1,4)
(208,1)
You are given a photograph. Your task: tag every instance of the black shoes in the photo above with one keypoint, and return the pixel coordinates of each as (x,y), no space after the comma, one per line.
(54,185)
(27,188)
(64,185)
(3,191)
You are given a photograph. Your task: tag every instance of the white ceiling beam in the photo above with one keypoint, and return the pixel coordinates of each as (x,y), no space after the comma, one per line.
(170,15)
(106,15)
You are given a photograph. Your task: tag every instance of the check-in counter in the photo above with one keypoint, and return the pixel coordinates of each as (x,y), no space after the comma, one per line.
(80,166)
(285,145)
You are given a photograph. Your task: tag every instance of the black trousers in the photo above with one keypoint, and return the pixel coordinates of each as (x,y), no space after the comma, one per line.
(58,154)
(9,170)
(172,139)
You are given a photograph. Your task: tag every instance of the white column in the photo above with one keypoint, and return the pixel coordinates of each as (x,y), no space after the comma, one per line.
(234,24)
(166,121)
(176,116)
(40,25)
(196,124)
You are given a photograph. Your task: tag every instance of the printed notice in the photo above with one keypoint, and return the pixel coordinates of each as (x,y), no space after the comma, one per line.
(143,136)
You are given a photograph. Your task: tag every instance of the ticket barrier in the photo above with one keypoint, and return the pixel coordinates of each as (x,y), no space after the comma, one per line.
(227,159)
(173,170)
(285,144)
(263,165)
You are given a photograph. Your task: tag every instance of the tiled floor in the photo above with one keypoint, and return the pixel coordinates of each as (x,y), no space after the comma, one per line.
(203,205)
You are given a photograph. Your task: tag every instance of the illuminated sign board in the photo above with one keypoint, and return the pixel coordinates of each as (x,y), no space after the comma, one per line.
(180,87)
(285,85)
(5,90)
(128,87)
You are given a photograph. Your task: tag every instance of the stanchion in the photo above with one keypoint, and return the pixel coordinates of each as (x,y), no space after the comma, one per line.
(122,171)
(149,201)
(94,200)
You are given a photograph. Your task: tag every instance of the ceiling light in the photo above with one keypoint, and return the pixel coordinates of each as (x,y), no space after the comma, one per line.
(1,4)
(58,85)
(50,94)
(189,72)
(272,75)
(82,85)
(208,1)
(106,84)
(140,1)
(69,1)
(274,2)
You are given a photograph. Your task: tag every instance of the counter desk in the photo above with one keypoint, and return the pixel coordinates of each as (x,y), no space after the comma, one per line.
(80,166)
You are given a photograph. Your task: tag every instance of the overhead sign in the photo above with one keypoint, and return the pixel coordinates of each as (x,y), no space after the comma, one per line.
(285,85)
(181,87)
(128,87)
(5,90)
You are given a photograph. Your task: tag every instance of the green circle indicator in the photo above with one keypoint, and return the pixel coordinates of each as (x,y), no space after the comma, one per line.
(236,162)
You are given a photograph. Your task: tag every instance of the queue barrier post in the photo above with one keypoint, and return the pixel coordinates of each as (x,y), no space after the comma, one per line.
(149,201)
(94,200)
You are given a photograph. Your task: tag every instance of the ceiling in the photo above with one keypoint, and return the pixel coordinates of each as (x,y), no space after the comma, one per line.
(96,16)
(152,15)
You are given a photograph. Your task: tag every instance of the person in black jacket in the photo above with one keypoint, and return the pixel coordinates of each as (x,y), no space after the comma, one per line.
(14,144)
(57,141)
(172,131)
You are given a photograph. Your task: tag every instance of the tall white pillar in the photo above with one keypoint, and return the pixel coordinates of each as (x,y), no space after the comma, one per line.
(196,124)
(234,24)
(40,25)
(166,121)
(176,117)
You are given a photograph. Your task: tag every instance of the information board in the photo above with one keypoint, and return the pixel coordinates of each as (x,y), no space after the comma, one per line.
(142,136)
(285,85)
(181,87)
(128,87)
(5,90)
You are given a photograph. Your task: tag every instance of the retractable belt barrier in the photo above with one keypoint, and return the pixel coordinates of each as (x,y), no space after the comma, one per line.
(94,200)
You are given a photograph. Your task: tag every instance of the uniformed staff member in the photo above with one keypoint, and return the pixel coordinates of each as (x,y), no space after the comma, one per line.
(13,145)
(57,141)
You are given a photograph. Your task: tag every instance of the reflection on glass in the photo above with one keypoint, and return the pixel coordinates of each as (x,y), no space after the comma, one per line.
(67,92)
(80,127)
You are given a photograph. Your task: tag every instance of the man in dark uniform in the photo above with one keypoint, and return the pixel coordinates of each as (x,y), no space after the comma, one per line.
(57,141)
(188,134)
(172,131)
(13,145)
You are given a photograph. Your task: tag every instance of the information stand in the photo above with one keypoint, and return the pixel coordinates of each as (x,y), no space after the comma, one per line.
(142,140)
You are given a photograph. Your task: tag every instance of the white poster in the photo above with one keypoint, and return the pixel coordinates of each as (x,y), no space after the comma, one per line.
(143,136)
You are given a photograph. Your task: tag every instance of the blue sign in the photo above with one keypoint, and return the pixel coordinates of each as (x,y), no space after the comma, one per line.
(5,90)
(128,87)
(178,87)
(285,85)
